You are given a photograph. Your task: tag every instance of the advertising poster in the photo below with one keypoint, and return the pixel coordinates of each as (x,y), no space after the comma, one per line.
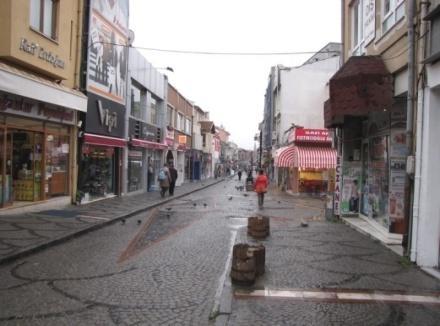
(397,188)
(107,55)
(351,183)
(398,143)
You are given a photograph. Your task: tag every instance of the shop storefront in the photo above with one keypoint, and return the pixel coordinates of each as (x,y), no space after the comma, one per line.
(306,166)
(100,153)
(146,151)
(36,137)
(34,154)
(373,142)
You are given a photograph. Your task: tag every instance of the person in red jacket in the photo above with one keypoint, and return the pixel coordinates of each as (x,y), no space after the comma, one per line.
(260,186)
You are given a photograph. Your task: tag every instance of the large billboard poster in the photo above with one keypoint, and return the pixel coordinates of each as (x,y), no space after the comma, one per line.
(107,55)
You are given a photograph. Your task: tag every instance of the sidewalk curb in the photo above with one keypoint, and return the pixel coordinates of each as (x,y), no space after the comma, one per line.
(64,238)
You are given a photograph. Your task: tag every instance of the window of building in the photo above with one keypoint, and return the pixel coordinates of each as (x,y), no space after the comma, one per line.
(137,102)
(181,122)
(188,126)
(393,11)
(435,36)
(358,28)
(153,111)
(170,116)
(43,17)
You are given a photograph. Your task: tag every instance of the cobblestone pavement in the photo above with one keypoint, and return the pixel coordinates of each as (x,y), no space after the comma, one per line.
(165,267)
(23,233)
(329,255)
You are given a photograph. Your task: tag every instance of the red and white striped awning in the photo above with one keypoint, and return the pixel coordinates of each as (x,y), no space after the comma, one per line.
(284,157)
(314,157)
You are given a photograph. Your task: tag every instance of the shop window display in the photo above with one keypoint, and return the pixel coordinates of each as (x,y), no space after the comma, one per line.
(97,167)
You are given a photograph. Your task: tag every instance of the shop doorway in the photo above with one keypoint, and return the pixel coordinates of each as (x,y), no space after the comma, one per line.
(170,157)
(26,164)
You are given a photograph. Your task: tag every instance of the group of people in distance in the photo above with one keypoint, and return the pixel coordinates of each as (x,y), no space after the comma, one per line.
(168,175)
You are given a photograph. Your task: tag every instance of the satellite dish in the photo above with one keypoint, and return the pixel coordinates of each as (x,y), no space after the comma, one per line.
(130,37)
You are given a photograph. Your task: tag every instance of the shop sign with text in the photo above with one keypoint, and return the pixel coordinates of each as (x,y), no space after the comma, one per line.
(104,117)
(312,135)
(32,109)
(36,50)
(337,194)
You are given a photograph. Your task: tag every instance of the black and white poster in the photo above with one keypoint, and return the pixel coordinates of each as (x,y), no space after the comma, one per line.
(107,55)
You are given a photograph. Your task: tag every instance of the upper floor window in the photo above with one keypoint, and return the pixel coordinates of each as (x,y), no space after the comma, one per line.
(137,102)
(43,17)
(433,17)
(358,30)
(170,116)
(393,11)
(188,126)
(153,111)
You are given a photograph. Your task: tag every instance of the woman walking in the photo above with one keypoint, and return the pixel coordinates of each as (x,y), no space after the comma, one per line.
(260,186)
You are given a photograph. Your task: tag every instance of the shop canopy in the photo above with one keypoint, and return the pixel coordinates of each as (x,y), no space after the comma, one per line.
(305,157)
(17,81)
(284,157)
(362,85)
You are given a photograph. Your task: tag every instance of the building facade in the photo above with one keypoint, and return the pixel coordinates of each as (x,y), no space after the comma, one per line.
(425,231)
(40,104)
(146,109)
(103,142)
(179,114)
(368,106)
(296,104)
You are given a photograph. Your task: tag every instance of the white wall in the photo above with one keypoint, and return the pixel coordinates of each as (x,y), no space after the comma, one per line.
(428,232)
(145,74)
(303,93)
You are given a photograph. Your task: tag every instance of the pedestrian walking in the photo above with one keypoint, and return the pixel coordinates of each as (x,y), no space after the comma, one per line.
(173,178)
(239,175)
(164,180)
(260,187)
(150,175)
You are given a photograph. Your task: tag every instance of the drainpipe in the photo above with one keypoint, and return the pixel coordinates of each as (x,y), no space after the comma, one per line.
(409,124)
(419,138)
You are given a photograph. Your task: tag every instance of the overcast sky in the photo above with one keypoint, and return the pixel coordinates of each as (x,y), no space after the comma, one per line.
(231,88)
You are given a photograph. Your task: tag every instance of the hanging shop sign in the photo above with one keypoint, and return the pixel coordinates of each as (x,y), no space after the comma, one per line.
(312,135)
(36,50)
(104,117)
(37,110)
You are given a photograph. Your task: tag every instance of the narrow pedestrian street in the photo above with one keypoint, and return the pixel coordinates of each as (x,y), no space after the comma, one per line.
(170,266)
